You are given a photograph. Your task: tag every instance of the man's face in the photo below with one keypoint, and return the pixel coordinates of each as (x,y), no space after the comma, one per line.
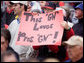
(10,6)
(4,44)
(78,13)
(17,9)
(73,51)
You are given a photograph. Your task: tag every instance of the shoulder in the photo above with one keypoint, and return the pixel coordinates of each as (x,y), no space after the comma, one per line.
(13,23)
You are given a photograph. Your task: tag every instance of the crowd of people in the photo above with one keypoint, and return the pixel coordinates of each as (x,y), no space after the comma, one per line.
(71,49)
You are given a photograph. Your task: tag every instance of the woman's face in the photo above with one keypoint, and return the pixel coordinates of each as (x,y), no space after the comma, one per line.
(4,44)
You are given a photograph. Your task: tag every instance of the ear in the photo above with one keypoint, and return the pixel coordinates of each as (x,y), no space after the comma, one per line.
(81,48)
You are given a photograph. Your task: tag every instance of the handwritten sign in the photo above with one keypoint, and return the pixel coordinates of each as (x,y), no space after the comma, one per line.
(41,29)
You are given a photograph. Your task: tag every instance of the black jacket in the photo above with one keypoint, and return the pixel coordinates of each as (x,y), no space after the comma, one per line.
(45,53)
(78,28)
(9,17)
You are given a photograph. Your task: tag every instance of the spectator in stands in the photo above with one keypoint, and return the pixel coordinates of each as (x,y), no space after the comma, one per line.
(10,16)
(5,40)
(74,48)
(54,50)
(49,7)
(29,5)
(66,14)
(35,6)
(19,7)
(78,28)
(9,56)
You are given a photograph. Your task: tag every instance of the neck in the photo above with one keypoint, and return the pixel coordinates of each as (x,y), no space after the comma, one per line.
(19,15)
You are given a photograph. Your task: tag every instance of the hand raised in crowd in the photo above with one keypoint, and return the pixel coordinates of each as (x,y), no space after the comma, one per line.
(65,25)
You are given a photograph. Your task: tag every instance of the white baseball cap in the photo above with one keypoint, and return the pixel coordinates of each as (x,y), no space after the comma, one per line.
(74,40)
(22,2)
(64,12)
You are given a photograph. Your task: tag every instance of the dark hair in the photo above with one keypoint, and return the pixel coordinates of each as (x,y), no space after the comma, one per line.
(25,7)
(6,34)
(9,53)
(11,3)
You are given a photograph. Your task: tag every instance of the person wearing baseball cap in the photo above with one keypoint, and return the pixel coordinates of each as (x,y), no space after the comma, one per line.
(74,47)
(80,6)
(80,9)
(78,28)
(49,7)
(22,3)
(19,7)
(36,7)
